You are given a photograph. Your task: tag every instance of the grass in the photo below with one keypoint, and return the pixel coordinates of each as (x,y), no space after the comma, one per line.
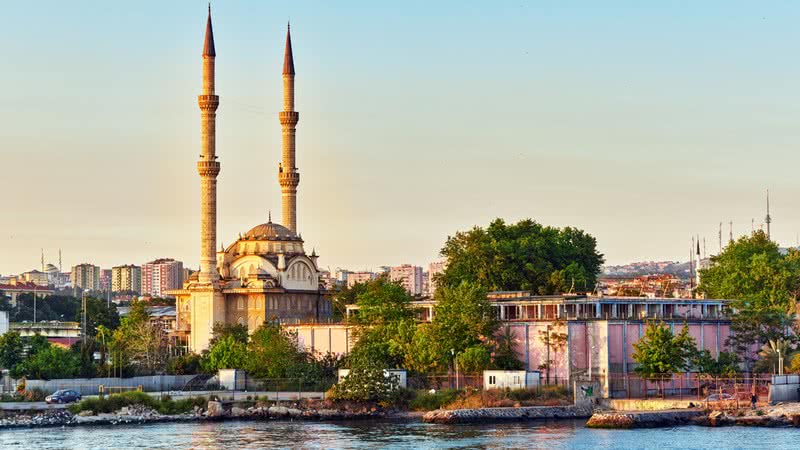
(115,402)
(494,398)
(426,401)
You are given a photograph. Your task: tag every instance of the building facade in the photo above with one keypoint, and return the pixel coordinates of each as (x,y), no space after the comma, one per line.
(265,274)
(410,277)
(126,278)
(160,276)
(86,276)
(354,278)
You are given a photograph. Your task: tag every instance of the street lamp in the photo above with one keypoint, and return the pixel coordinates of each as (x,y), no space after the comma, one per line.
(455,364)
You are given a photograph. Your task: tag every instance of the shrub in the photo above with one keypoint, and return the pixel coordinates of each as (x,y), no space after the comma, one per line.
(115,402)
(426,401)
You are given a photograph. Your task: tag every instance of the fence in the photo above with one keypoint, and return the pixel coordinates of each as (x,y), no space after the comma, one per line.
(427,382)
(689,387)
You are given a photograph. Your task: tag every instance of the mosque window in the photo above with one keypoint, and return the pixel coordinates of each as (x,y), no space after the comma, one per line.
(240,304)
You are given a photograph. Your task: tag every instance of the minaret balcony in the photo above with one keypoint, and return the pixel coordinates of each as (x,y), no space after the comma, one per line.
(208,168)
(289,117)
(208,102)
(289,178)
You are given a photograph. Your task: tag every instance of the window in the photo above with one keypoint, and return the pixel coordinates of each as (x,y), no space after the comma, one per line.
(240,304)
(492,380)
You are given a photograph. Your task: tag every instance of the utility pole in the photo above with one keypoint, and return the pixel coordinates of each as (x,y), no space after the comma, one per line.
(731,230)
(768,219)
(720,237)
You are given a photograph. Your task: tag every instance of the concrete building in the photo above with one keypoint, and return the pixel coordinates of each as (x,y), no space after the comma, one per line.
(127,278)
(36,277)
(434,269)
(105,280)
(265,274)
(410,277)
(86,276)
(588,336)
(160,276)
(354,278)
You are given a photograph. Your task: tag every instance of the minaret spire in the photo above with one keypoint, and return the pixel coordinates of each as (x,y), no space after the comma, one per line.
(288,176)
(208,167)
(768,219)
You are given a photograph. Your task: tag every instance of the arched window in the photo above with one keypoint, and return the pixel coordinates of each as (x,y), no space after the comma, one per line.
(240,303)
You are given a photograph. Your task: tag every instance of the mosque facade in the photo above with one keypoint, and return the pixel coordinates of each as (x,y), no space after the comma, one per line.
(265,275)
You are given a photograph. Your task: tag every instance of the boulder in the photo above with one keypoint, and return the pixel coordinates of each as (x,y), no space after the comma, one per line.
(86,413)
(278,411)
(238,412)
(215,409)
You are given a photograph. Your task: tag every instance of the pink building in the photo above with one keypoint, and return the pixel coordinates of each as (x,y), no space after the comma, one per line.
(577,336)
(354,278)
(160,276)
(409,276)
(434,269)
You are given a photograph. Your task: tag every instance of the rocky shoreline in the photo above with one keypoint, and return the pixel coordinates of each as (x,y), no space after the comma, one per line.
(781,415)
(444,416)
(215,411)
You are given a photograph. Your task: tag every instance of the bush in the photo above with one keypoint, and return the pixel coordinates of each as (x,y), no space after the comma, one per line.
(426,401)
(493,398)
(116,402)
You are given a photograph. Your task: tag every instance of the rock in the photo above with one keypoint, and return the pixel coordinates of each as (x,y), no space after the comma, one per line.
(238,412)
(506,414)
(86,413)
(278,411)
(294,412)
(215,409)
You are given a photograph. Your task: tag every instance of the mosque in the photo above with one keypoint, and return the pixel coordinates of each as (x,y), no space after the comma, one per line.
(265,274)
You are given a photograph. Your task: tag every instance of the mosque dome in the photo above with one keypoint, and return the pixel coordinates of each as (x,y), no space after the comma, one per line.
(271,232)
(50,268)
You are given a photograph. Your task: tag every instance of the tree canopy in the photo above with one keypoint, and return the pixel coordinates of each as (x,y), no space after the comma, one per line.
(659,352)
(522,256)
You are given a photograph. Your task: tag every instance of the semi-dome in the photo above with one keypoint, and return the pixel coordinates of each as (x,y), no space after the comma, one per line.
(271,232)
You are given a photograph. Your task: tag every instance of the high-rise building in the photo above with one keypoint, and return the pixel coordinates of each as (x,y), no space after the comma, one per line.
(354,278)
(105,280)
(160,276)
(434,270)
(86,276)
(409,276)
(126,278)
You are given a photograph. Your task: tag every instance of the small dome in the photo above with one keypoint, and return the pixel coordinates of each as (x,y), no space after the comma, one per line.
(271,232)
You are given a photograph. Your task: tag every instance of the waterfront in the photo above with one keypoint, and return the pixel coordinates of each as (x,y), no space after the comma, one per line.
(400,435)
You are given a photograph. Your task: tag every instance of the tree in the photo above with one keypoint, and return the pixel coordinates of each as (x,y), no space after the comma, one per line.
(188,364)
(366,381)
(474,359)
(523,256)
(235,330)
(98,313)
(726,364)
(773,353)
(753,271)
(660,353)
(50,363)
(273,352)
(462,318)
(555,338)
(505,357)
(226,353)
(140,344)
(11,348)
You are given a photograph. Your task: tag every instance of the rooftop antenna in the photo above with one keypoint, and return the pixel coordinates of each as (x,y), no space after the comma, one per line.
(768,219)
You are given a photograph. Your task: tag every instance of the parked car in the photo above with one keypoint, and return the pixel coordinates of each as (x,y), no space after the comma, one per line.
(63,396)
(719,398)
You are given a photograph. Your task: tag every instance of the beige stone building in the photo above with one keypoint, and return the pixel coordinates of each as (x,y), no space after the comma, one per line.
(126,278)
(265,274)
(86,276)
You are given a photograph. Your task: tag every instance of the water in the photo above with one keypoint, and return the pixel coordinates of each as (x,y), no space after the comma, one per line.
(403,435)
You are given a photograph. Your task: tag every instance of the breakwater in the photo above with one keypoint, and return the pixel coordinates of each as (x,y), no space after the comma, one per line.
(506,414)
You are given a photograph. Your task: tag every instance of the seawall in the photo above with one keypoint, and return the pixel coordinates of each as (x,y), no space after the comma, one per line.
(506,414)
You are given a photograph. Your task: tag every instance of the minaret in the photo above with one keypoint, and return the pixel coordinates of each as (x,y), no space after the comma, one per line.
(288,177)
(208,166)
(768,219)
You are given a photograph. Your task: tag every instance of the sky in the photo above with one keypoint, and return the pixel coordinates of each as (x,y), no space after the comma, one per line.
(643,123)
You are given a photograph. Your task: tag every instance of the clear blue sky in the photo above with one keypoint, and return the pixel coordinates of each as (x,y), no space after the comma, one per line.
(641,122)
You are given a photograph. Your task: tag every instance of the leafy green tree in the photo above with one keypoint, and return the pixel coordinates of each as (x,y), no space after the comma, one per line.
(226,353)
(50,363)
(188,364)
(237,331)
(753,271)
(474,359)
(660,353)
(523,256)
(424,353)
(98,313)
(505,357)
(274,352)
(139,344)
(462,318)
(366,382)
(725,365)
(771,354)
(11,348)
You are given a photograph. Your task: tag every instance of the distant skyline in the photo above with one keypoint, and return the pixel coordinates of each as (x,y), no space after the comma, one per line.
(642,123)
